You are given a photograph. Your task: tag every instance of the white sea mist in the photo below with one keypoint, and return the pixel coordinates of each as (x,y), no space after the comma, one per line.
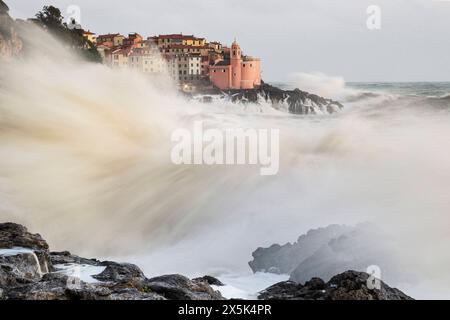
(85,161)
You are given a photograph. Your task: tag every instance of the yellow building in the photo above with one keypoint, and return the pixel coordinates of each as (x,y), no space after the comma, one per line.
(113,39)
(90,36)
(196,42)
(179,39)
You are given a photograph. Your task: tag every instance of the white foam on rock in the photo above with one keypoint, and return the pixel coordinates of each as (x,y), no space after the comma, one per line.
(249,285)
(82,271)
(15,251)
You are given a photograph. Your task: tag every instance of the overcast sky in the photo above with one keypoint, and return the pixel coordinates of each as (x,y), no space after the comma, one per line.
(328,36)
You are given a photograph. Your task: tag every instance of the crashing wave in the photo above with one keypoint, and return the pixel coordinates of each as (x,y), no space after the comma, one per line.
(294,101)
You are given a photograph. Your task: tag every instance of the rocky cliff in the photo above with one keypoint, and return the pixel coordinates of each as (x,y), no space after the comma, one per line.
(328,251)
(349,285)
(10,43)
(294,101)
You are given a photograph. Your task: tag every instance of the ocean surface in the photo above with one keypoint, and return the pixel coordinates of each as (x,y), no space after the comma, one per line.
(383,159)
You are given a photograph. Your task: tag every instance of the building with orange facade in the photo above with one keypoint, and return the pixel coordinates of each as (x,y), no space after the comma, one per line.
(239,72)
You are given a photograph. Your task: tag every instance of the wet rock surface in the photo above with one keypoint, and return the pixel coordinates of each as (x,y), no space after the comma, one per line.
(22,278)
(178,287)
(210,280)
(294,101)
(350,285)
(13,235)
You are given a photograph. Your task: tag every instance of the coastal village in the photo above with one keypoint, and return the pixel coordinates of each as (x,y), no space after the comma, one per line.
(189,60)
(194,64)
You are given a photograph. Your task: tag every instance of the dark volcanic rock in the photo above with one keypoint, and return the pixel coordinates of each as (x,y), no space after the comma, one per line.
(350,285)
(65,257)
(284,259)
(16,236)
(22,278)
(296,101)
(209,280)
(54,286)
(19,268)
(120,272)
(177,287)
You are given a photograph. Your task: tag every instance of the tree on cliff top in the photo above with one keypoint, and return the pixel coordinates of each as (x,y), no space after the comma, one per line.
(51,19)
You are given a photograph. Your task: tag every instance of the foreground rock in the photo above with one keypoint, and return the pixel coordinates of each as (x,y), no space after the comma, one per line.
(350,285)
(294,101)
(210,280)
(17,238)
(70,277)
(177,287)
(28,271)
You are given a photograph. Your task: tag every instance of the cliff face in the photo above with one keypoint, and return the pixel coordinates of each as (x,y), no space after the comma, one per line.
(10,43)
(293,101)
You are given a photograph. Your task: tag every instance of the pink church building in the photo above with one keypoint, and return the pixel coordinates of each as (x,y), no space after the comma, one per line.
(240,72)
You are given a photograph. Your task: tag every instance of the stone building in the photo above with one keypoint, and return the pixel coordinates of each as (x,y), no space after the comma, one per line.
(239,72)
(185,68)
(147,60)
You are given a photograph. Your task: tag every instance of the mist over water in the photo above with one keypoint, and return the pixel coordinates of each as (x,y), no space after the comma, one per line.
(85,161)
